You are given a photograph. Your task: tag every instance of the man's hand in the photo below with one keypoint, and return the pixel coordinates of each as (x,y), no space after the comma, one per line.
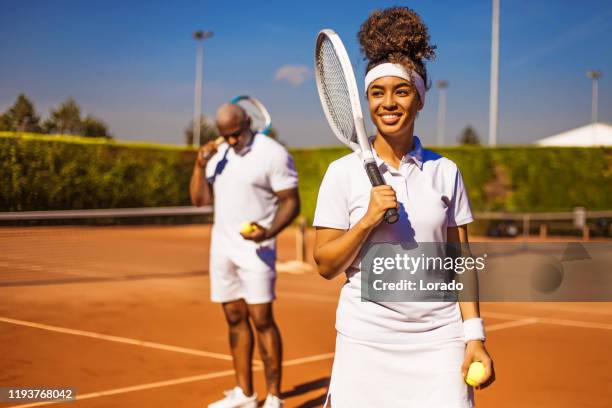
(257,234)
(206,152)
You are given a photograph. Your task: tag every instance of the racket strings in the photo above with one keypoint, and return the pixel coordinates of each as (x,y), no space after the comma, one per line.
(258,120)
(335,90)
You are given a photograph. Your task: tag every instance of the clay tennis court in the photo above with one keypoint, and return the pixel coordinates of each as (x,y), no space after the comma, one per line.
(122,315)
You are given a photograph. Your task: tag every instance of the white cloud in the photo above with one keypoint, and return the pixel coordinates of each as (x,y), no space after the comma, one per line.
(294,74)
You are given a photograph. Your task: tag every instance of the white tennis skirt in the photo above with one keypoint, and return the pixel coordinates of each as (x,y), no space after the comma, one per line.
(381,375)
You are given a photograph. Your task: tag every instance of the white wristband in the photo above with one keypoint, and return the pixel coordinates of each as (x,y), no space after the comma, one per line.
(473,329)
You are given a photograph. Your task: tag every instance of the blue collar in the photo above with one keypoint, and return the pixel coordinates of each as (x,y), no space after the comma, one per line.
(247,148)
(416,154)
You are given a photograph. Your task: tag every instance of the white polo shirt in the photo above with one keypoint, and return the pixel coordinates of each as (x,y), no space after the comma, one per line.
(432,197)
(244,186)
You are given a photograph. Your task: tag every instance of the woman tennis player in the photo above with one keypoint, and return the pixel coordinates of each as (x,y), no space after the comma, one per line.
(396,354)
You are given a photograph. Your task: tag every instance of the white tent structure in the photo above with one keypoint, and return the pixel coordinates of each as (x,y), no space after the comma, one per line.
(596,134)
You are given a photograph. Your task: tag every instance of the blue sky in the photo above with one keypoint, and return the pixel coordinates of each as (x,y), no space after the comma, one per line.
(132,63)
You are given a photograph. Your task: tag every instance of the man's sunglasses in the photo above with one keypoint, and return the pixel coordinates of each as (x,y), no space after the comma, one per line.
(239,132)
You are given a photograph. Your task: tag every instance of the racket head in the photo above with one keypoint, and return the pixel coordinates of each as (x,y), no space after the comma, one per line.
(338,91)
(261,121)
(340,101)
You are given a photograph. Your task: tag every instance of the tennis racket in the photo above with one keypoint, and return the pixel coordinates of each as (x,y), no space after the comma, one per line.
(340,100)
(261,121)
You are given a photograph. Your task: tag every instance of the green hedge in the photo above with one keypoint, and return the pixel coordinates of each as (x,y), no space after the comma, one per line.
(537,178)
(61,172)
(66,172)
(527,178)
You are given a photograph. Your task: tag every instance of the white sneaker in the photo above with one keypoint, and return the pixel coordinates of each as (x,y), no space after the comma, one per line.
(236,399)
(272,401)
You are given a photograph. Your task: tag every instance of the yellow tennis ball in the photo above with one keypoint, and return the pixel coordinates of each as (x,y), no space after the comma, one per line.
(247,228)
(475,374)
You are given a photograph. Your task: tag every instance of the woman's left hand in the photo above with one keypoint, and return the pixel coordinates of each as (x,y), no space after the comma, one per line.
(476,351)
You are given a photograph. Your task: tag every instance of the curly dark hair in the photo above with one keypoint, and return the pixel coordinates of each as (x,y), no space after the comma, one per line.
(396,35)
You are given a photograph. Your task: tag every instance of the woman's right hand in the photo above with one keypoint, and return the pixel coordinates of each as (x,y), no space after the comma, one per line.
(206,152)
(382,198)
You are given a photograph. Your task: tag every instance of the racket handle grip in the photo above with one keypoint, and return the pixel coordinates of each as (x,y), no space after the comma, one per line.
(391,215)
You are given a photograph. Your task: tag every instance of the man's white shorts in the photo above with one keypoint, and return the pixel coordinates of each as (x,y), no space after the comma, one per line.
(244,274)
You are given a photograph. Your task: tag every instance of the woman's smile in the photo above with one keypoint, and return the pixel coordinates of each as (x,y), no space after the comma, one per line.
(390,118)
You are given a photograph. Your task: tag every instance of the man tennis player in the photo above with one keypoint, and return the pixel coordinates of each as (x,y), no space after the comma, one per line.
(251,178)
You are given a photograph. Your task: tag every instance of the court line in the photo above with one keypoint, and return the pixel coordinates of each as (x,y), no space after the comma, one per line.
(176,381)
(573,309)
(124,340)
(98,279)
(225,373)
(548,320)
(520,321)
(508,316)
(140,387)
(318,357)
(515,323)
(577,323)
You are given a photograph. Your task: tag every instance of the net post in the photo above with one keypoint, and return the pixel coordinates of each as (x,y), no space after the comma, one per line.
(525,226)
(586,233)
(543,231)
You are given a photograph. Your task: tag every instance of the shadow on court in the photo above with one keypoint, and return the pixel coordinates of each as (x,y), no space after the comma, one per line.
(307,387)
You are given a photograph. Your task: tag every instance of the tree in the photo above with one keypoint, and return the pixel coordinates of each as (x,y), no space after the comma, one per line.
(5,124)
(66,119)
(469,137)
(21,117)
(93,127)
(208,132)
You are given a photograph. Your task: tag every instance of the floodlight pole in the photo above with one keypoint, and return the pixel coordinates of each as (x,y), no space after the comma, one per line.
(493,97)
(199,36)
(442,86)
(594,77)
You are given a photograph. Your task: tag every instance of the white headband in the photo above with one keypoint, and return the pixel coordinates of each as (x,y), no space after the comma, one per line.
(396,70)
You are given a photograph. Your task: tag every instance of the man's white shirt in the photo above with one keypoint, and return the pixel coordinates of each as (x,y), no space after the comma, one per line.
(244,186)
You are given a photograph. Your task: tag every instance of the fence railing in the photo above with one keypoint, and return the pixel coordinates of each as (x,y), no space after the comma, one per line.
(579,218)
(104,213)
